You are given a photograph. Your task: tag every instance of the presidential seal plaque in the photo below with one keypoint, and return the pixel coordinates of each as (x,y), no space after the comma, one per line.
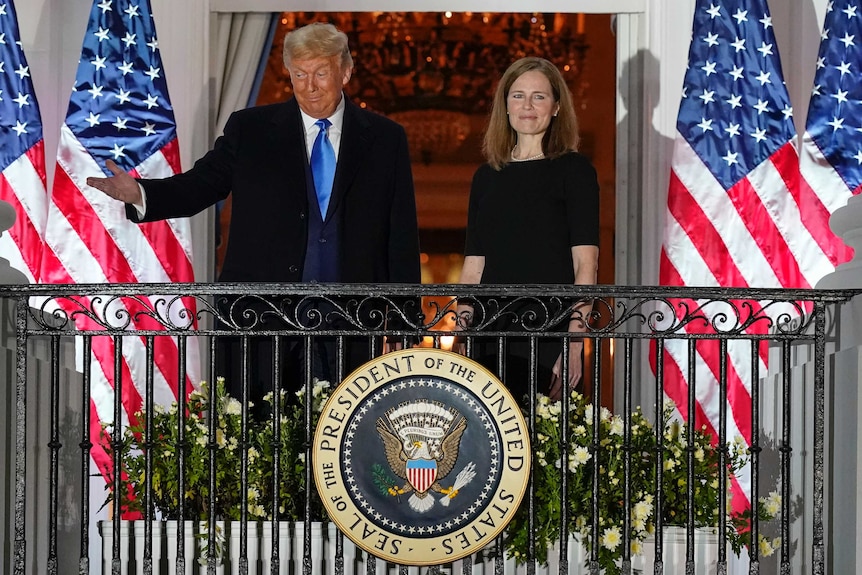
(421,456)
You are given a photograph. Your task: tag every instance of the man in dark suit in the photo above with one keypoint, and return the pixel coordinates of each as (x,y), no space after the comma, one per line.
(321,189)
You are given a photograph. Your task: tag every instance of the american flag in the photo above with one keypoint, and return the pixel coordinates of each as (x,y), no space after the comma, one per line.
(22,152)
(831,150)
(119,109)
(735,216)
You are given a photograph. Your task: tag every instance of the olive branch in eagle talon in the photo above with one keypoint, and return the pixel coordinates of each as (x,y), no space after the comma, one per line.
(421,440)
(384,482)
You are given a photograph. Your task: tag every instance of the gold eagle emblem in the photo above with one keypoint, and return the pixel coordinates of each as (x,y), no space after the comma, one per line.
(421,439)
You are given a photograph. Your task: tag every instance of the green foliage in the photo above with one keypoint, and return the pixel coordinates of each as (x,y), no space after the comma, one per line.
(228,449)
(549,470)
(382,479)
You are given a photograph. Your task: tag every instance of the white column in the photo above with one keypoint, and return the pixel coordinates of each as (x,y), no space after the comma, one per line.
(843,431)
(8,274)
(846,222)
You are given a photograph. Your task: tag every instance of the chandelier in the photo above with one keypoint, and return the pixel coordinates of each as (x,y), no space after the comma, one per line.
(431,72)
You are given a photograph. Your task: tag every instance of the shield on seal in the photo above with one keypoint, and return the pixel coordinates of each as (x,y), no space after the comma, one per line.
(421,473)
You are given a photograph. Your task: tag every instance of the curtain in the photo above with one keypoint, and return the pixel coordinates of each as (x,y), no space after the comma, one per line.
(241,43)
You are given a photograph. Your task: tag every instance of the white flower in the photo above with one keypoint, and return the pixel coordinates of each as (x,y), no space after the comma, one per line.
(579,456)
(739,448)
(253,494)
(202,441)
(637,547)
(540,456)
(642,510)
(606,414)
(580,522)
(542,412)
(320,387)
(766,548)
(611,538)
(220,438)
(588,413)
(580,430)
(232,406)
(698,454)
(252,454)
(772,504)
(673,431)
(617,426)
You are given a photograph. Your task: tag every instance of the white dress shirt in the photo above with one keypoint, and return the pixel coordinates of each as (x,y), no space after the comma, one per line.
(337,120)
(311,131)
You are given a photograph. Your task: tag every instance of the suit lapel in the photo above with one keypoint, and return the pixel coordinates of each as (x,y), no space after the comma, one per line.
(355,142)
(288,142)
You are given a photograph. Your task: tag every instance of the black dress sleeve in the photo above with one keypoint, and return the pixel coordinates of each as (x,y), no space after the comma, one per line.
(582,201)
(473,245)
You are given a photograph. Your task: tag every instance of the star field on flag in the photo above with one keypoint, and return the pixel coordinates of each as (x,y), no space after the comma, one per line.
(119,110)
(22,152)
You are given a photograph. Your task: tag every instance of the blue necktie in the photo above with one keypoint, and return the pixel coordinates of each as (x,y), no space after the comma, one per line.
(322,166)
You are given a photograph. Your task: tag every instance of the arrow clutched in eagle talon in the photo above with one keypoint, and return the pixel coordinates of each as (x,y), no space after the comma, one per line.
(465,476)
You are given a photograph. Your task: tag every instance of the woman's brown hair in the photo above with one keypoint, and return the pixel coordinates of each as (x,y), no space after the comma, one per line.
(562,133)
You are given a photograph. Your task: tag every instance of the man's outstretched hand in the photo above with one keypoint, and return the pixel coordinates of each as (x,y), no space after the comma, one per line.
(121,186)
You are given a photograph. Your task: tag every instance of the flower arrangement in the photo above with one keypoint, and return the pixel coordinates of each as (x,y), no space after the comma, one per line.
(227,447)
(549,470)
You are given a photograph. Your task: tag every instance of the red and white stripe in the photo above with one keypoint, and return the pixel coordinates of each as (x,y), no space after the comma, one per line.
(421,478)
(89,240)
(822,191)
(762,232)
(23,185)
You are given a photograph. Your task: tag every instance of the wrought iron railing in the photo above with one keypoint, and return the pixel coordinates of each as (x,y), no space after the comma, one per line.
(355,323)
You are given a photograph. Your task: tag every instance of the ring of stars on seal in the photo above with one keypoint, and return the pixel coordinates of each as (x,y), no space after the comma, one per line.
(358,436)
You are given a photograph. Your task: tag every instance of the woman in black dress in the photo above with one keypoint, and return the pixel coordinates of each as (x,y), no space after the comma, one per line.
(533,218)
